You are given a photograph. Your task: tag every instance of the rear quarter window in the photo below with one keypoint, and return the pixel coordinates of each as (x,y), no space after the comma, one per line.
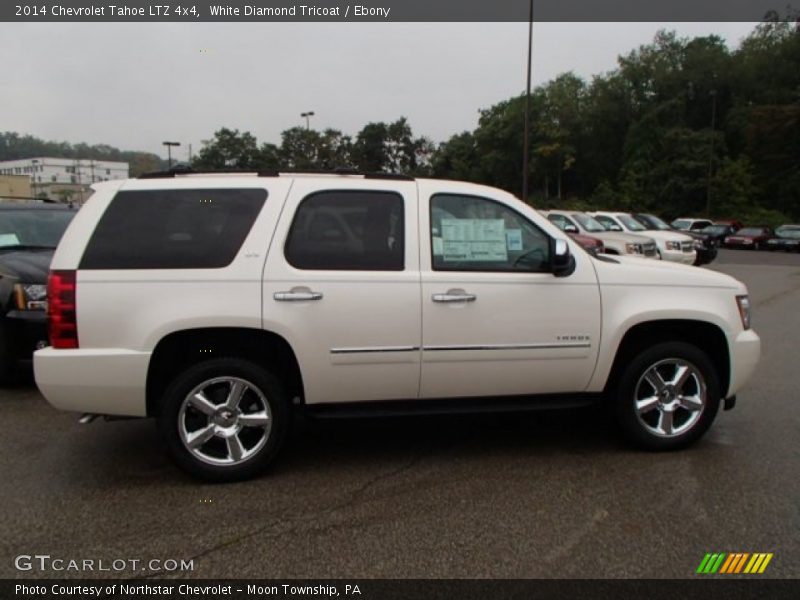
(173,229)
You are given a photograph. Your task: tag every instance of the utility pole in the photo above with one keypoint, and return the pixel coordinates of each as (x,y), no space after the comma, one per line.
(169,146)
(713,94)
(526,136)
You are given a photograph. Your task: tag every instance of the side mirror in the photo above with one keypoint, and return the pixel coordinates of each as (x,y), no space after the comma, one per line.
(615,227)
(570,228)
(562,263)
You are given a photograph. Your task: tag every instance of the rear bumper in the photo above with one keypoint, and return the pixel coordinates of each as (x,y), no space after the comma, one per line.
(105,382)
(745,352)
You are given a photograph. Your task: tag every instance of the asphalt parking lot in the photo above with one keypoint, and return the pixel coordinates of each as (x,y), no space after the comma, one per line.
(532,495)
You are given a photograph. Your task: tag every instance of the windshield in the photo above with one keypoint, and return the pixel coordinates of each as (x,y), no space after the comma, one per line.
(715,229)
(42,228)
(631,223)
(750,231)
(682,224)
(788,231)
(653,222)
(588,223)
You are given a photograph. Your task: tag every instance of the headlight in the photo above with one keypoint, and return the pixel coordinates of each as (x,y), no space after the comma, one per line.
(633,248)
(30,296)
(698,245)
(744,310)
(673,245)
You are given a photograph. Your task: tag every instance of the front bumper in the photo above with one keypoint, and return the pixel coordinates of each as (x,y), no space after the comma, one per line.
(745,352)
(706,255)
(678,256)
(103,382)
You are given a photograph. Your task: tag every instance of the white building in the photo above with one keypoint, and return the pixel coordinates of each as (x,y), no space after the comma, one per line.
(52,176)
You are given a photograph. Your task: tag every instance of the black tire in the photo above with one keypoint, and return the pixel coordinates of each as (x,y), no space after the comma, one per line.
(638,430)
(261,388)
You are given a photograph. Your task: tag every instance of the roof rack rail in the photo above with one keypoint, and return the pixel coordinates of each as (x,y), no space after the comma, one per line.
(185,170)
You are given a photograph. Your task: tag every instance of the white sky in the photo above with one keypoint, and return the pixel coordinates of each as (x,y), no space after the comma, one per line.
(135,85)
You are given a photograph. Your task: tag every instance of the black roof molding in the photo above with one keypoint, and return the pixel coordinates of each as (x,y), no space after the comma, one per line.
(182,170)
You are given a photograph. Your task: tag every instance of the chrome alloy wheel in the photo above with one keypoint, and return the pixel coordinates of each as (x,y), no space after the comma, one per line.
(670,397)
(224,421)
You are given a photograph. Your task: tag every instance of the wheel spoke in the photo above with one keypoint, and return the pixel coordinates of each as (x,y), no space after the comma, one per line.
(256,419)
(235,449)
(665,422)
(654,378)
(203,404)
(691,403)
(197,438)
(235,394)
(682,373)
(645,405)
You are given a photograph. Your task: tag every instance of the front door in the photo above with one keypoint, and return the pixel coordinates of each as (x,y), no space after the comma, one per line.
(495,320)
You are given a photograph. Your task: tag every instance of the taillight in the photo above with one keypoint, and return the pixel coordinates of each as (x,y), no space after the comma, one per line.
(62,317)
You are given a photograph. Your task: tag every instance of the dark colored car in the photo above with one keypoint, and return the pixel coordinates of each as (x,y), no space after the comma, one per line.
(29,234)
(787,237)
(705,245)
(752,238)
(719,231)
(735,223)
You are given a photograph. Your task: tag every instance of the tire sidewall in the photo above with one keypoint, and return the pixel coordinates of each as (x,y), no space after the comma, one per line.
(185,382)
(624,401)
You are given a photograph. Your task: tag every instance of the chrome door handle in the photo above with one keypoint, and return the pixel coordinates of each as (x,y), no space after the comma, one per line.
(298,294)
(454,296)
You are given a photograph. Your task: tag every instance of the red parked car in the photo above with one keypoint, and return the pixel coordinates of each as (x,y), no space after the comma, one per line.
(589,243)
(752,238)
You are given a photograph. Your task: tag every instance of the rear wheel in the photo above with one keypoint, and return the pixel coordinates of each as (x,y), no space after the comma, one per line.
(224,419)
(667,397)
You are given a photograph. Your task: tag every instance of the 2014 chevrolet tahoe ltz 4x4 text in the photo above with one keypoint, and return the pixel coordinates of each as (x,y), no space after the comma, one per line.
(219,303)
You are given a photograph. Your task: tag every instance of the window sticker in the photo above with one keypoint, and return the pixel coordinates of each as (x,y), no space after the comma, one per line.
(9,239)
(438,246)
(479,240)
(514,240)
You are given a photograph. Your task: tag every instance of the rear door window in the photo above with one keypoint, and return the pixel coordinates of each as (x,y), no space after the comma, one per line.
(173,229)
(348,231)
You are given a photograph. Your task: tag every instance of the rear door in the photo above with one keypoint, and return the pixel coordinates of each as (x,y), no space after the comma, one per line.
(342,285)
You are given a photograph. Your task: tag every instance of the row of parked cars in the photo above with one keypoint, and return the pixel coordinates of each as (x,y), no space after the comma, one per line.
(731,234)
(687,241)
(634,234)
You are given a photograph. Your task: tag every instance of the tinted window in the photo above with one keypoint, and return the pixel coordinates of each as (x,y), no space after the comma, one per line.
(173,229)
(476,234)
(348,231)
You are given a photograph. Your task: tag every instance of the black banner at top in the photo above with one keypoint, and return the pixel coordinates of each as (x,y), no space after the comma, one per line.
(396,10)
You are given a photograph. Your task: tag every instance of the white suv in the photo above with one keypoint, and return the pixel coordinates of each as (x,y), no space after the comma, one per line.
(615,242)
(672,246)
(219,304)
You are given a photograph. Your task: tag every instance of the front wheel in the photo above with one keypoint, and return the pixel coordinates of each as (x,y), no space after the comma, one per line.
(224,419)
(667,397)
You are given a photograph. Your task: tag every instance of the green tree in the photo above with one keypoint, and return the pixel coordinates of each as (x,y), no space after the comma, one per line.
(229,149)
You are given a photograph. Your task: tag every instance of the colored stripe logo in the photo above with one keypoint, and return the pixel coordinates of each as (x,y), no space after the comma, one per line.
(735,563)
